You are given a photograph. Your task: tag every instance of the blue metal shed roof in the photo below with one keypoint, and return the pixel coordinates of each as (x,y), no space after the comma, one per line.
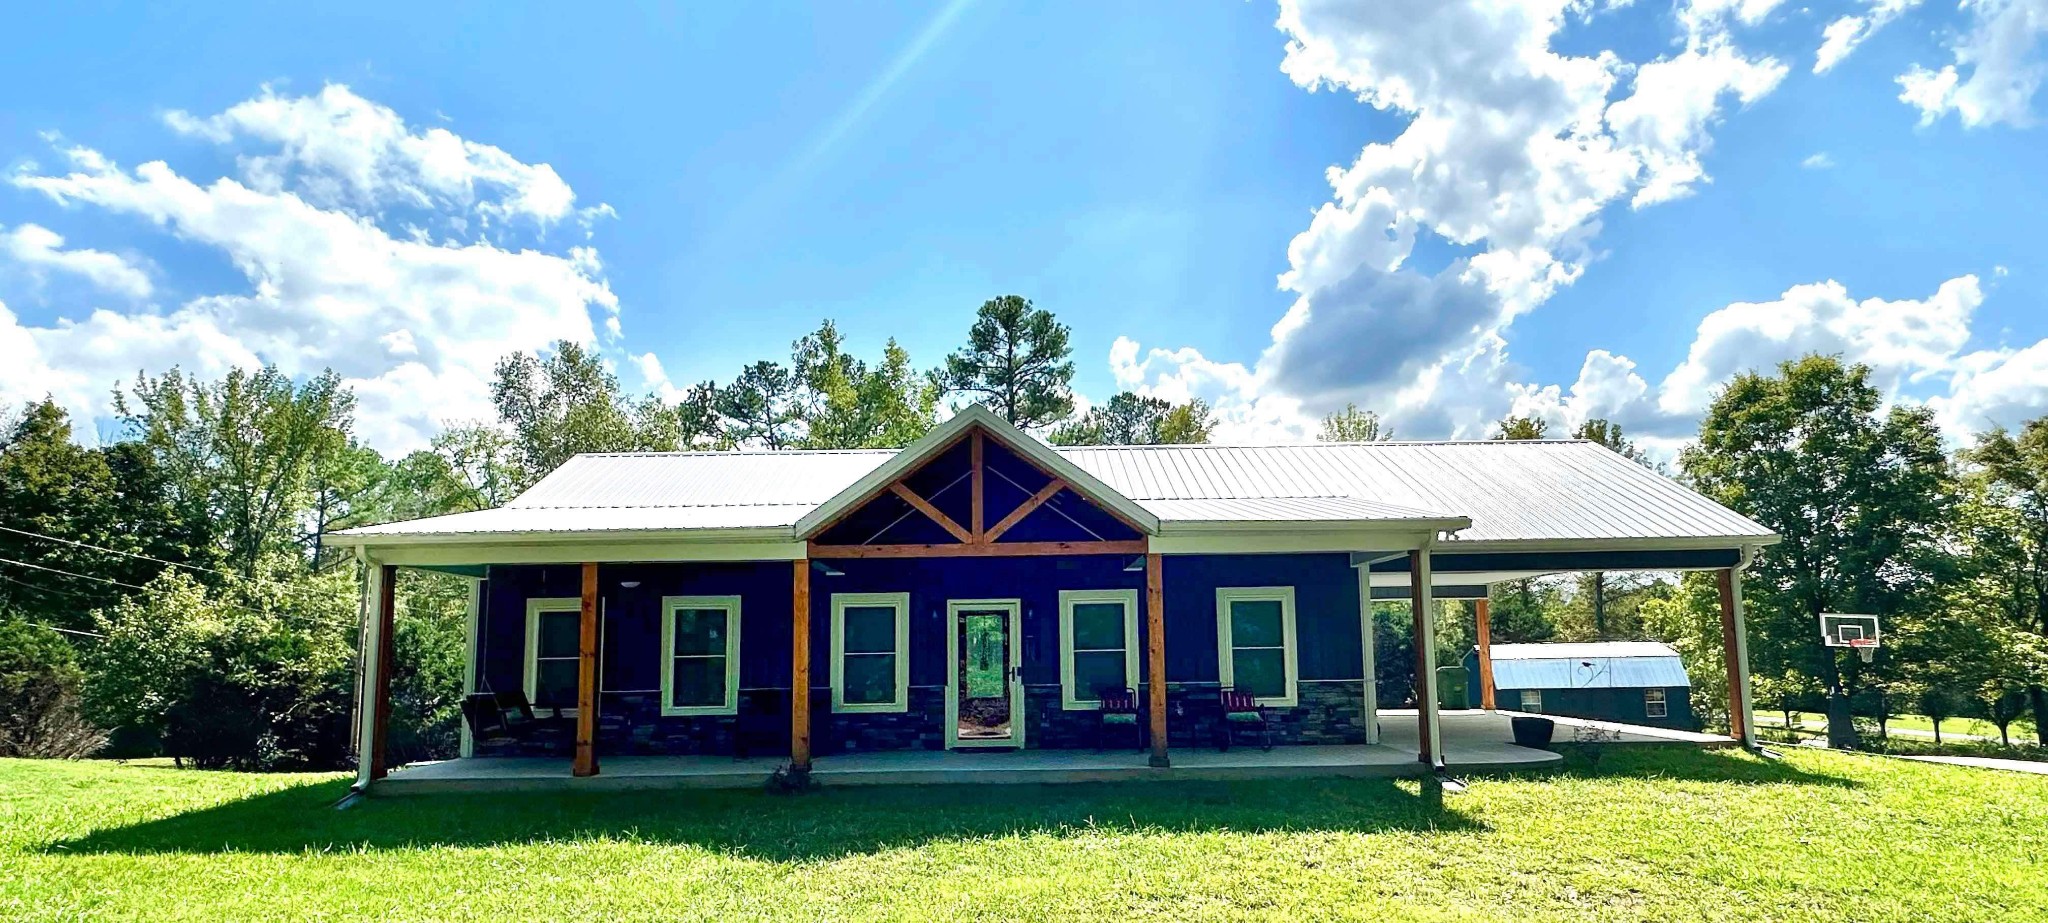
(1593,665)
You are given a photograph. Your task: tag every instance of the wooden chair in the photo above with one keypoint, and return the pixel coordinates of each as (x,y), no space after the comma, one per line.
(1119,710)
(1241,710)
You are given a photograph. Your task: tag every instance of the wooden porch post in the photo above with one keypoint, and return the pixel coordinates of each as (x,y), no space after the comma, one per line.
(586,679)
(1421,603)
(1482,614)
(1155,656)
(800,669)
(1735,651)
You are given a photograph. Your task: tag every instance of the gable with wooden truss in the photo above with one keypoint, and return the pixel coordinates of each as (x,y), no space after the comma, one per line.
(976,486)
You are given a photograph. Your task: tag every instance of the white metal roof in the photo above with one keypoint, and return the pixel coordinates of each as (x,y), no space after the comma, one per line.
(1587,665)
(1512,490)
(1526,493)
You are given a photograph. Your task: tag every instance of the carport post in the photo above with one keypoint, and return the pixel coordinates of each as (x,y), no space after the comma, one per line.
(1482,617)
(373,706)
(1735,648)
(1429,736)
(1366,645)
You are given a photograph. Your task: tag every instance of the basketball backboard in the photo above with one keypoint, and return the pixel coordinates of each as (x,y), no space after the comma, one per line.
(1858,632)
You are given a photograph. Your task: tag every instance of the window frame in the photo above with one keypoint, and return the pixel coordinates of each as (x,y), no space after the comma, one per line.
(1662,703)
(536,606)
(1538,693)
(840,603)
(1071,698)
(1226,658)
(669,606)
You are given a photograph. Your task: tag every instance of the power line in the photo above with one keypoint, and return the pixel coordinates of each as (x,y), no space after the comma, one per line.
(74,542)
(131,554)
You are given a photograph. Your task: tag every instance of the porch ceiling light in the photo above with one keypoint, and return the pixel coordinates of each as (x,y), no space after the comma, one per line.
(630,584)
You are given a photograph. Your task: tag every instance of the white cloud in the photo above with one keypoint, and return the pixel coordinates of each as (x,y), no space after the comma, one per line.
(414,325)
(2004,68)
(338,149)
(1843,35)
(1902,341)
(1511,150)
(40,249)
(1818,160)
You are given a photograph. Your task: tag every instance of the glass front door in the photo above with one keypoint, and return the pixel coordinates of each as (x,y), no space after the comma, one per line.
(984,689)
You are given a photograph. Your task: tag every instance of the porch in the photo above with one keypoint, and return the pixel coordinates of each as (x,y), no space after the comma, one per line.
(1475,742)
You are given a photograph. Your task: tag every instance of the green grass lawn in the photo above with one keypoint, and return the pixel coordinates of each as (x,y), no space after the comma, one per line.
(1644,834)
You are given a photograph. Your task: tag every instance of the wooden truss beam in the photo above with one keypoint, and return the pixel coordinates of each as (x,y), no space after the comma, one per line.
(1024,509)
(932,512)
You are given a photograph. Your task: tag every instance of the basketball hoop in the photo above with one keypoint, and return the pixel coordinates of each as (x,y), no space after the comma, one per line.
(1865,648)
(1858,633)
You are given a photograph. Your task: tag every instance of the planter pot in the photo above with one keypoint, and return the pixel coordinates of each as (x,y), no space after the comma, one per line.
(1533,732)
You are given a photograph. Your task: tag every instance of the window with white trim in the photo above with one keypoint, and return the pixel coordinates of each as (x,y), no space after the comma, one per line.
(554,651)
(1532,701)
(1654,704)
(700,664)
(1098,645)
(1255,645)
(870,652)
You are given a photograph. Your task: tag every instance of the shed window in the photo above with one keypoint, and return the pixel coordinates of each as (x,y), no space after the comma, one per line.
(1532,701)
(1255,648)
(1653,703)
(553,649)
(700,669)
(870,652)
(1098,644)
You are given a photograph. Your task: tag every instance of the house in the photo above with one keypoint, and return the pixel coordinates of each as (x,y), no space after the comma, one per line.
(979,589)
(1633,682)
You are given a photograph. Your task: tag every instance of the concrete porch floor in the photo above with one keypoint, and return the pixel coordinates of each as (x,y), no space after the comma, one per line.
(1474,742)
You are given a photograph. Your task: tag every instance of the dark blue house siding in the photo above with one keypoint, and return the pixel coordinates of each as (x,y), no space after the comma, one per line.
(1327,628)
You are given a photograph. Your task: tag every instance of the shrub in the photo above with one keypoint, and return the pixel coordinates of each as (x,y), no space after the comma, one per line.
(40,714)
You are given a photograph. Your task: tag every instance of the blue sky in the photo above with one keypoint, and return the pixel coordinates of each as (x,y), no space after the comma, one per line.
(740,172)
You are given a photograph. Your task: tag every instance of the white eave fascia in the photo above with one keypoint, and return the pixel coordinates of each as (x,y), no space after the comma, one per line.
(591,536)
(1672,543)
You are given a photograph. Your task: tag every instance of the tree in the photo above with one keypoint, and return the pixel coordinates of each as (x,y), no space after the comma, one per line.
(241,451)
(1607,433)
(569,403)
(1513,428)
(760,408)
(1354,425)
(1131,419)
(50,486)
(1858,498)
(1016,360)
(348,489)
(2012,471)
(843,403)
